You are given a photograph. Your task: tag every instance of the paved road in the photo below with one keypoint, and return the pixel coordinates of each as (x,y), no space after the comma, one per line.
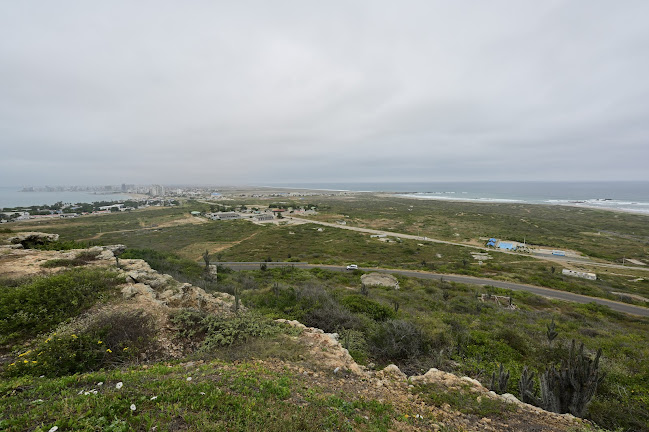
(545,257)
(545,292)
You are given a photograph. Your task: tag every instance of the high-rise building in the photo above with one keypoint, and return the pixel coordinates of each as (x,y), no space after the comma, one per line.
(157,190)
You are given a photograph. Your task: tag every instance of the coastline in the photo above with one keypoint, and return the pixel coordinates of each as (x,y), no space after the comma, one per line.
(514,201)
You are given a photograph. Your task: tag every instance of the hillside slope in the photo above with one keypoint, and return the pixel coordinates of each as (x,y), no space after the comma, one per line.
(281,376)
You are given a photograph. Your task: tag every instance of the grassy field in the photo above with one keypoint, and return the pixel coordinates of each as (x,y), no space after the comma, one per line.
(336,246)
(596,233)
(173,230)
(221,397)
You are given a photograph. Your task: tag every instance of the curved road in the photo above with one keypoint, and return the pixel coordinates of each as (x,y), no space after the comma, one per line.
(545,292)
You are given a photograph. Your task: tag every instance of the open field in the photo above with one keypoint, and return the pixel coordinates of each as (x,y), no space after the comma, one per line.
(172,229)
(599,234)
(446,325)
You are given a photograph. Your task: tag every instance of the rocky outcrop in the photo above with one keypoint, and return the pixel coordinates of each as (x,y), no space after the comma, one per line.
(326,350)
(31,238)
(148,286)
(380,279)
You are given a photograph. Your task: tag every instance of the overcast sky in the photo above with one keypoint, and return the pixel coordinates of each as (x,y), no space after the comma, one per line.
(293,91)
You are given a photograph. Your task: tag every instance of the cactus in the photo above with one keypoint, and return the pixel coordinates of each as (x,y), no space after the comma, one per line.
(499,382)
(526,385)
(570,388)
(551,332)
(237,298)
(206,258)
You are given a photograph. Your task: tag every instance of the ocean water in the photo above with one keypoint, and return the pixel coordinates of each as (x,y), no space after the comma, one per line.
(13,197)
(624,195)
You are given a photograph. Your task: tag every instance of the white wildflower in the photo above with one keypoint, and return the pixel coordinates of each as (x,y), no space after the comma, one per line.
(133,407)
(203,393)
(80,392)
(119,385)
(53,429)
(189,378)
(101,383)
(154,398)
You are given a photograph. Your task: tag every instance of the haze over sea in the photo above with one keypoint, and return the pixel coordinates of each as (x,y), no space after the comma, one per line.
(13,197)
(629,196)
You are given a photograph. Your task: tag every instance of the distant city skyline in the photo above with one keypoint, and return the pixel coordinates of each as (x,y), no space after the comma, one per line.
(257,92)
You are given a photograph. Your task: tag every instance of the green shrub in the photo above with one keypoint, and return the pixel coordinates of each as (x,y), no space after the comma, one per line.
(332,317)
(211,332)
(57,245)
(223,332)
(355,342)
(398,340)
(375,310)
(110,340)
(40,305)
(58,262)
(514,339)
(190,324)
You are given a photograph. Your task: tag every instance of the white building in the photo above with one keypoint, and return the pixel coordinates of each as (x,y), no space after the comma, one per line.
(224,216)
(583,275)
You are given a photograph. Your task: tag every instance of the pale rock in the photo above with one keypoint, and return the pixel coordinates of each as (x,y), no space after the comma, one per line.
(392,372)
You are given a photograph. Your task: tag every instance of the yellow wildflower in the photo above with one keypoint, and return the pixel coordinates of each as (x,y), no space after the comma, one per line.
(25,361)
(74,336)
(25,353)
(34,361)
(125,348)
(99,342)
(108,350)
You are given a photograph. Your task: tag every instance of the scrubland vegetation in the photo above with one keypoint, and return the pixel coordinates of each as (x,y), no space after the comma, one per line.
(424,324)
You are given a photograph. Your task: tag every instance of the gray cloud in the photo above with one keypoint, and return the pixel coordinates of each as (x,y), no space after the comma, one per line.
(159,91)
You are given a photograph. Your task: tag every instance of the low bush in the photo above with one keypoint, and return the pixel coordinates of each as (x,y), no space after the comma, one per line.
(211,332)
(332,317)
(398,340)
(323,311)
(57,245)
(109,340)
(223,332)
(375,310)
(41,304)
